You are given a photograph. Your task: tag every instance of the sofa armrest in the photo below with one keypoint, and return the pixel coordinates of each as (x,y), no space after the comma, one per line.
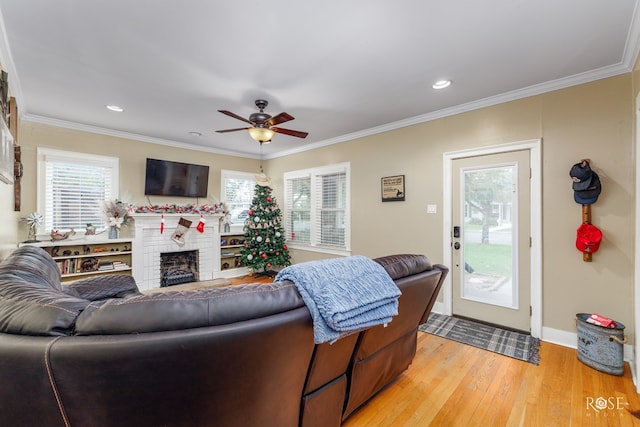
(103,287)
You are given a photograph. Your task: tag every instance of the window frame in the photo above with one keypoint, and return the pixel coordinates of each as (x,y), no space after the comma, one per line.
(226,174)
(50,155)
(316,174)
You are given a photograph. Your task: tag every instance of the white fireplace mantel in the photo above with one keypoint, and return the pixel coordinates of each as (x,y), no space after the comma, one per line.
(149,243)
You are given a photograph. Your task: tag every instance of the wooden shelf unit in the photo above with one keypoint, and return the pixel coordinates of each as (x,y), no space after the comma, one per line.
(80,258)
(230,246)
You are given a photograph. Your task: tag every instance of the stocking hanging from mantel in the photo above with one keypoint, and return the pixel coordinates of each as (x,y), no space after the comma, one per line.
(200,226)
(181,229)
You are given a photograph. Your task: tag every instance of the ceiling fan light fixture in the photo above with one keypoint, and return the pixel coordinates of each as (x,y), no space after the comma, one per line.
(261,134)
(263,125)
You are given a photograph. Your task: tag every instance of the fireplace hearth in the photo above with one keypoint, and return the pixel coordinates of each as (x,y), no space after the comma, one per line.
(178,267)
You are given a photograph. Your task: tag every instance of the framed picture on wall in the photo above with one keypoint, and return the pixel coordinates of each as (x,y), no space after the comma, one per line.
(6,154)
(393,188)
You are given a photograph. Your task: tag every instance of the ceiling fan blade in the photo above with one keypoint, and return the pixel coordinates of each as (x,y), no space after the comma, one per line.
(230,130)
(290,132)
(280,118)
(235,116)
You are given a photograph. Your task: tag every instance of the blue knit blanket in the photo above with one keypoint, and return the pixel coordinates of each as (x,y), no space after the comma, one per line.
(344,295)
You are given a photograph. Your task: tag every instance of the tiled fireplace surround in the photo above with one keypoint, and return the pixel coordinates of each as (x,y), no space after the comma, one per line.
(148,244)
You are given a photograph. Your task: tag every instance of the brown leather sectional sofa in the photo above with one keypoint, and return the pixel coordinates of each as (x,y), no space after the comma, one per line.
(100,353)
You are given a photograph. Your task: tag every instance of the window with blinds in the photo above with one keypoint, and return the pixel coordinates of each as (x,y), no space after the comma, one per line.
(317,213)
(237,193)
(73,187)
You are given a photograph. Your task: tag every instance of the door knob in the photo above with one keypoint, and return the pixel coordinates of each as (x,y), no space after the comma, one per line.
(456,245)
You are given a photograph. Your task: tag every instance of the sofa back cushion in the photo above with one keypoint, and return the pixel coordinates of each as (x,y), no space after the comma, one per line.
(248,373)
(33,264)
(399,266)
(176,310)
(31,298)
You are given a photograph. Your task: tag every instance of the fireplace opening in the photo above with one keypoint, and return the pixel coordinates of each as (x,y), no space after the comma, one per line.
(178,267)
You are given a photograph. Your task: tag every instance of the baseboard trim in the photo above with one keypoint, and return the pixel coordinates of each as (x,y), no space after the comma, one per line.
(560,337)
(438,307)
(570,339)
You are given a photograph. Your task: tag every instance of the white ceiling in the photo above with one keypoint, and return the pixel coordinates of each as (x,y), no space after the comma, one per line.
(343,69)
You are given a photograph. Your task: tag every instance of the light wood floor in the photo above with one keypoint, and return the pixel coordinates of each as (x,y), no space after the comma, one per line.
(250,279)
(452,384)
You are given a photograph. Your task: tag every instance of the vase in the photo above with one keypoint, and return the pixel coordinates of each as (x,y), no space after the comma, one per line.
(113,232)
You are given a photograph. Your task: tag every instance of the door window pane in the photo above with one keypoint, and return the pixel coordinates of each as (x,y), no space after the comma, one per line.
(489,235)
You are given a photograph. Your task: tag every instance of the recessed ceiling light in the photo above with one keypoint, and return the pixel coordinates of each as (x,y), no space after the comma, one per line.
(193,133)
(115,108)
(441,84)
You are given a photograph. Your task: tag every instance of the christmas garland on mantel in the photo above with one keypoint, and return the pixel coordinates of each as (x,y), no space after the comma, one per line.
(183,224)
(178,209)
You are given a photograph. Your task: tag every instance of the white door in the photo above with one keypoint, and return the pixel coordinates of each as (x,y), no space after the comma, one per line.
(491,239)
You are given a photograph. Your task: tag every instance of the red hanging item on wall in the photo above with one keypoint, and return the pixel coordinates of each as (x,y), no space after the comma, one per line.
(200,226)
(588,238)
(162,224)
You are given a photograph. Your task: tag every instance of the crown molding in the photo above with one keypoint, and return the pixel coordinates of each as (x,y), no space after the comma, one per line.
(33,118)
(534,90)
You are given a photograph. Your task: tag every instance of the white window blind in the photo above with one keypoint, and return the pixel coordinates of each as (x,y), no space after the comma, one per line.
(72,188)
(330,208)
(317,209)
(237,193)
(298,209)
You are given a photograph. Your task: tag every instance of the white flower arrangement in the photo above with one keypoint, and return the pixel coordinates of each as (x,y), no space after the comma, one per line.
(116,213)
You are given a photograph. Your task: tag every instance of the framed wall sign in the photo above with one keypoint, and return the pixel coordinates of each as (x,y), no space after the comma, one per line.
(393,188)
(6,154)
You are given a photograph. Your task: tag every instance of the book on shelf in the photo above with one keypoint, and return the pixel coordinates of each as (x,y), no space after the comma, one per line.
(69,266)
(119,265)
(105,265)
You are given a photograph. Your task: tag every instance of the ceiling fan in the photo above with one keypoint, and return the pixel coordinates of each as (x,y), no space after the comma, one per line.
(263,126)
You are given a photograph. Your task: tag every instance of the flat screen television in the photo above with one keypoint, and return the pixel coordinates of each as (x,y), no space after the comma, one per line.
(166,178)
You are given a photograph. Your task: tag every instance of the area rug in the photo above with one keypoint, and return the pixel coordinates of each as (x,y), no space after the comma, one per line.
(509,343)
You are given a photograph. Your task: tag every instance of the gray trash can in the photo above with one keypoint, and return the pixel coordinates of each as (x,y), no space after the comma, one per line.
(599,347)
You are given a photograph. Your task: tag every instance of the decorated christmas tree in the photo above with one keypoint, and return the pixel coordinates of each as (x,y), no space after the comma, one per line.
(264,246)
